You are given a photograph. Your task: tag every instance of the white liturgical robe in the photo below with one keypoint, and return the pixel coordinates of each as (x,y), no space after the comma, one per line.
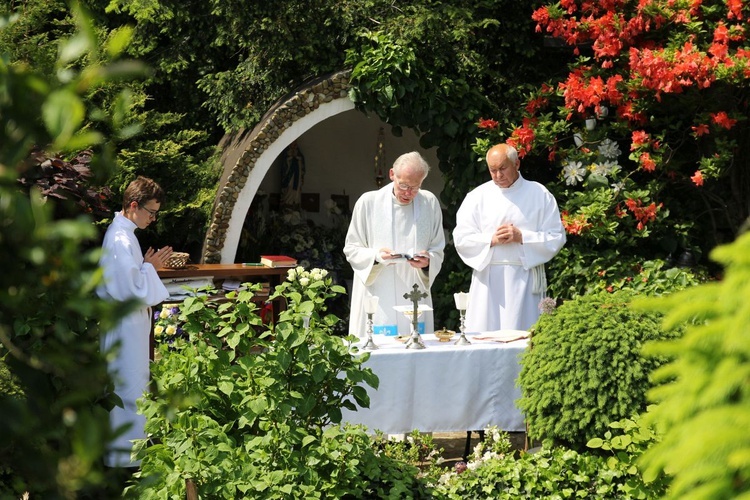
(127,276)
(508,280)
(380,221)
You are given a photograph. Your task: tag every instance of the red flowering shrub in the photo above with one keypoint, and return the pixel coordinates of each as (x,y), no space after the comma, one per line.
(664,80)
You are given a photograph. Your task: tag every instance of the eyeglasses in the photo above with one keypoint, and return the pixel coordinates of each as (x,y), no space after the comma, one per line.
(406,187)
(152,213)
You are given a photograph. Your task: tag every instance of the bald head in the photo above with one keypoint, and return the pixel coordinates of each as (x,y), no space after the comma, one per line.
(503,163)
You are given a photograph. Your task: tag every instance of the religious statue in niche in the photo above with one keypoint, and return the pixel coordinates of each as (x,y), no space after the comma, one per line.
(292,176)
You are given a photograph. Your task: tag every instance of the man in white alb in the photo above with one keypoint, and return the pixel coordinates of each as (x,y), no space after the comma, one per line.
(399,218)
(506,230)
(131,275)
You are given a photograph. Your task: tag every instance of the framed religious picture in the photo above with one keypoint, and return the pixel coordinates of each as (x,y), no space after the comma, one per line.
(310,202)
(342,201)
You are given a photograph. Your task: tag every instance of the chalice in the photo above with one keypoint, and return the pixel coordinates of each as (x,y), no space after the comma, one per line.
(415,341)
(462,303)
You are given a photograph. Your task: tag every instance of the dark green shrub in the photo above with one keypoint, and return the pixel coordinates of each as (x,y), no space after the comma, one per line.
(585,369)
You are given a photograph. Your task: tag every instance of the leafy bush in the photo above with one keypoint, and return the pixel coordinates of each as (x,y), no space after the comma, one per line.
(703,409)
(53,435)
(585,367)
(556,472)
(245,411)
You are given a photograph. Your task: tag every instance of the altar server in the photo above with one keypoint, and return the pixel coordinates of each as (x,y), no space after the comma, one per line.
(130,275)
(395,240)
(506,230)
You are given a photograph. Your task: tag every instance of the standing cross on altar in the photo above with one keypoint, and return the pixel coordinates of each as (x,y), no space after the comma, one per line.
(414,296)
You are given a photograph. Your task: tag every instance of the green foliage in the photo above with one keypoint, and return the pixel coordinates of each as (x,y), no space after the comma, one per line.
(580,272)
(55,431)
(703,407)
(417,450)
(557,472)
(244,410)
(585,368)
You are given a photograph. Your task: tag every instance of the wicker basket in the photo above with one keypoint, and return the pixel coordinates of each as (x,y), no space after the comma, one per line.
(177,260)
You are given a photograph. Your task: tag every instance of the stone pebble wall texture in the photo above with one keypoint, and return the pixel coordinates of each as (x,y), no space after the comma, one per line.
(299,105)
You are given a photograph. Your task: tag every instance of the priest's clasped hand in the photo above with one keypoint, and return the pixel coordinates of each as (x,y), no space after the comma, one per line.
(506,233)
(157,258)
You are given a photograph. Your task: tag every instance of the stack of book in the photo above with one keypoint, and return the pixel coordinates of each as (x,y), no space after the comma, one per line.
(278,261)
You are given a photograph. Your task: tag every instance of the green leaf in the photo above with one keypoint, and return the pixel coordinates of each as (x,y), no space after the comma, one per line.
(63,113)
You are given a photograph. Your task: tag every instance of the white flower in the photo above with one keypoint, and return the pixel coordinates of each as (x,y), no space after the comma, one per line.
(292,218)
(573,173)
(609,149)
(618,186)
(291,274)
(304,281)
(605,168)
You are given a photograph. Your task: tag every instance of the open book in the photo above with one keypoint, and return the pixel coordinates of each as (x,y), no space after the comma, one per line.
(408,256)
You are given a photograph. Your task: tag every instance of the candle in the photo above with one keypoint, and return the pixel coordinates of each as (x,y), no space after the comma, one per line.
(462,300)
(371,304)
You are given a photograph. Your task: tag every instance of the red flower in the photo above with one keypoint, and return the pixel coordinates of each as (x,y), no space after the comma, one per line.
(722,119)
(575,225)
(639,139)
(488,123)
(648,164)
(735,9)
(642,214)
(699,130)
(697,178)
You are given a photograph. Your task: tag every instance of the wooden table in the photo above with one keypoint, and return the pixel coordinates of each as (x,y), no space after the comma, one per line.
(222,271)
(443,388)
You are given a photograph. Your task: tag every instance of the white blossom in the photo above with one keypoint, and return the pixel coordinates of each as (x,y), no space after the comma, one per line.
(573,173)
(304,281)
(609,149)
(291,274)
(605,168)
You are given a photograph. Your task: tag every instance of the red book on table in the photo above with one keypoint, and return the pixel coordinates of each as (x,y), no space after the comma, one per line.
(278,261)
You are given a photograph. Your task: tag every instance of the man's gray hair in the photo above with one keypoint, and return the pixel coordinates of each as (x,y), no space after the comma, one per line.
(414,160)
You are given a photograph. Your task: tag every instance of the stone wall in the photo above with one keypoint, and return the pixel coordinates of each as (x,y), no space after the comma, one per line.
(265,133)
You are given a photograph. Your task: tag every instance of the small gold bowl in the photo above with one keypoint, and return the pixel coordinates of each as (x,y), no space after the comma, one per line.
(444,335)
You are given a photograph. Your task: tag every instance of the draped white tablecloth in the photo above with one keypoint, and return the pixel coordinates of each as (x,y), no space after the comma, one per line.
(443,388)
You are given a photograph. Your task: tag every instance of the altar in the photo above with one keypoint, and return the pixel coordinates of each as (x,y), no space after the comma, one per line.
(442,388)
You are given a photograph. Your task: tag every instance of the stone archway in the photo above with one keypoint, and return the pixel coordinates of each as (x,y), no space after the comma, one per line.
(248,157)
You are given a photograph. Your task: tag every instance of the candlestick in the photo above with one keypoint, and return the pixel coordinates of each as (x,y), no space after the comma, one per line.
(462,303)
(370,344)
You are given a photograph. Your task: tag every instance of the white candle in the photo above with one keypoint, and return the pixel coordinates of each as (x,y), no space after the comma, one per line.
(371,304)
(462,300)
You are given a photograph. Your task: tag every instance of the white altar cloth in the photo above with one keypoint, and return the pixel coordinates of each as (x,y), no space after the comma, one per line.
(442,388)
